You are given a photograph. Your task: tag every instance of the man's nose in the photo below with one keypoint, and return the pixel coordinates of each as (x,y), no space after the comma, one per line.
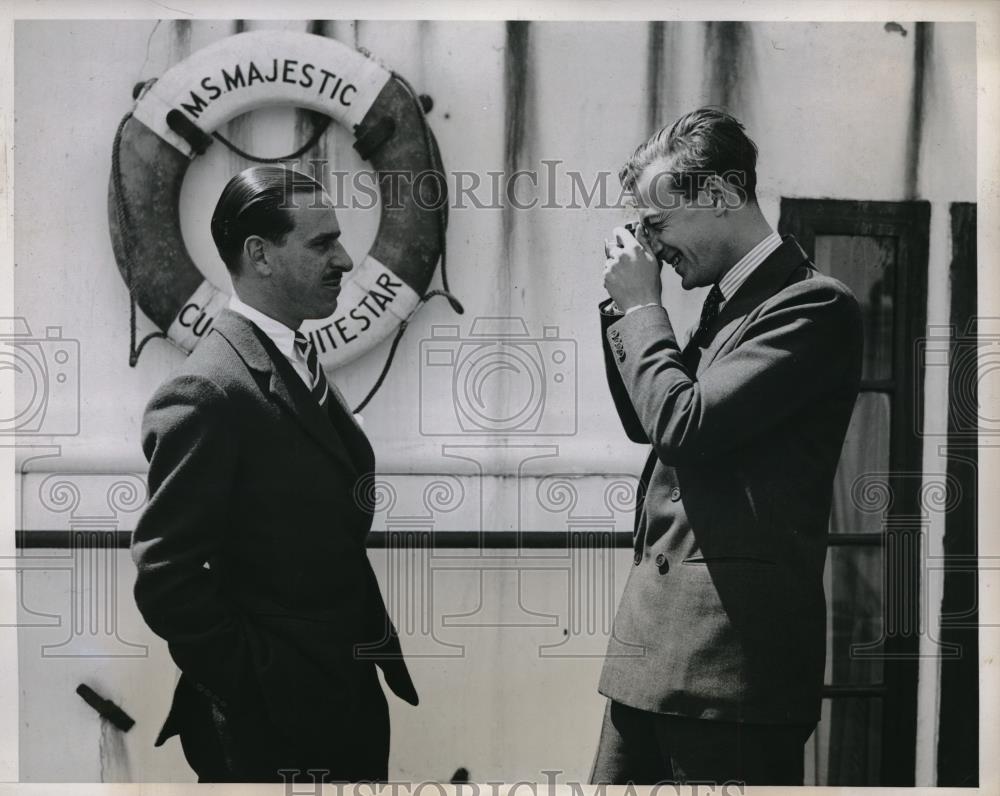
(344,262)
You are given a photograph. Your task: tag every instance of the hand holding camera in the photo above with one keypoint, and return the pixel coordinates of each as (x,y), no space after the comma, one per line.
(631,270)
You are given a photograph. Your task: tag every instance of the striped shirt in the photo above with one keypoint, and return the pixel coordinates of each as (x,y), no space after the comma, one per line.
(738,274)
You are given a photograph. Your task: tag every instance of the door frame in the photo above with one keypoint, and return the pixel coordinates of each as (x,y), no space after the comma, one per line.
(903,531)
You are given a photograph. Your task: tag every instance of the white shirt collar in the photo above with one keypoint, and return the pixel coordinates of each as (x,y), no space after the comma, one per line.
(739,273)
(281,335)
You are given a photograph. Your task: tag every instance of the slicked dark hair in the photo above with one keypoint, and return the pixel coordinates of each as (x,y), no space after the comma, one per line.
(701,143)
(256,202)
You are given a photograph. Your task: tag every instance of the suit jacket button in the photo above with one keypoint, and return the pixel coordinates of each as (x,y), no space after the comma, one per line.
(637,559)
(675,494)
(660,560)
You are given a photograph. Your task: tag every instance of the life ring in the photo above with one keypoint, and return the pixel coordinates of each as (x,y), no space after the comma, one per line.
(171,124)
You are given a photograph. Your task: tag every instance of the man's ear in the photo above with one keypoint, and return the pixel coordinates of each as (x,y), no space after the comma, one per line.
(255,250)
(721,194)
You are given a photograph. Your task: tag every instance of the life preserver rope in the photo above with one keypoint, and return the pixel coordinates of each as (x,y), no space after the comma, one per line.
(173,121)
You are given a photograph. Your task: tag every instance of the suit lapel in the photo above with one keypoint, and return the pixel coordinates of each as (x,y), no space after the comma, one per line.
(766,280)
(342,418)
(283,384)
(338,402)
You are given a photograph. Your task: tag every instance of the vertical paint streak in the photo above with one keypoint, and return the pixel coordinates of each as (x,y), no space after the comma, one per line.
(424,32)
(314,162)
(335,149)
(115,766)
(727,60)
(181,46)
(655,74)
(922,42)
(517,113)
(517,96)
(238,129)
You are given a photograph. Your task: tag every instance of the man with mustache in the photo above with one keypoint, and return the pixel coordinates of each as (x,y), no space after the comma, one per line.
(251,552)
(715,666)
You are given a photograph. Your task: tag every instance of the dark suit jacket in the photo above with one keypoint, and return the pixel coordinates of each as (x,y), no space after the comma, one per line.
(251,552)
(723,614)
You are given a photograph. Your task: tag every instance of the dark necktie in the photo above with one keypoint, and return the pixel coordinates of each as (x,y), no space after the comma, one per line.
(709,312)
(317,379)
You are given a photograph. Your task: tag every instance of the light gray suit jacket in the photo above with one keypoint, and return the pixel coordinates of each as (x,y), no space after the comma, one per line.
(723,615)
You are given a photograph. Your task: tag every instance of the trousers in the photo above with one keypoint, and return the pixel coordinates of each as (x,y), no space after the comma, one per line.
(353,748)
(642,748)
